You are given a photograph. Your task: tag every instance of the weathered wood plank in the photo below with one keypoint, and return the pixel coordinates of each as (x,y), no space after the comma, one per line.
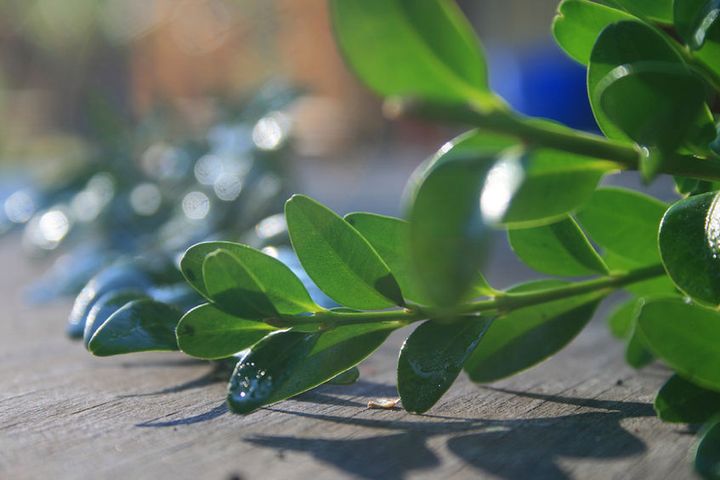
(64,414)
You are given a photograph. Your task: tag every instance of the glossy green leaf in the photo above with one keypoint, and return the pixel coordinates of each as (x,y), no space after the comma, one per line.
(684,336)
(698,23)
(277,282)
(105,306)
(287,363)
(139,326)
(411,48)
(648,46)
(690,246)
(560,248)
(656,10)
(528,336)
(624,222)
(449,227)
(121,276)
(210,333)
(449,234)
(548,184)
(654,104)
(578,24)
(432,357)
(644,98)
(697,20)
(680,401)
(390,237)
(338,258)
(611,51)
(707,455)
(232,288)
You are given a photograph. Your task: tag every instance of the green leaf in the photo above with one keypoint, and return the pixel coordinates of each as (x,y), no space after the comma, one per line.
(347,377)
(698,23)
(654,104)
(690,246)
(651,93)
(139,326)
(684,336)
(254,270)
(209,333)
(232,288)
(338,258)
(624,222)
(449,236)
(611,51)
(697,20)
(550,184)
(656,10)
(287,363)
(622,322)
(622,319)
(709,54)
(636,353)
(432,357)
(411,48)
(390,237)
(707,455)
(648,46)
(450,228)
(528,336)
(482,288)
(680,401)
(560,248)
(105,306)
(578,24)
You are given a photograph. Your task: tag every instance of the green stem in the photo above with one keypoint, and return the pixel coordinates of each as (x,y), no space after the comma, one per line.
(531,132)
(501,304)
(513,301)
(559,137)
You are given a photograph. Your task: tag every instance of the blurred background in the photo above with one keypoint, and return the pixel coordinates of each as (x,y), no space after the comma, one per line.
(59,58)
(158,116)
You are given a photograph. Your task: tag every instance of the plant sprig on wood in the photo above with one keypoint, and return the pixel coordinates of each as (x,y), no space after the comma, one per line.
(653,77)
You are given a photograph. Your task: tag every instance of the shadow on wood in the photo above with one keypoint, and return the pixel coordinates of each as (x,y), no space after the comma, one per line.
(512,449)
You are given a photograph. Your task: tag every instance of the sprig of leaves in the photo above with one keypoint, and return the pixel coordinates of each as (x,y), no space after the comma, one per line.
(258,305)
(652,79)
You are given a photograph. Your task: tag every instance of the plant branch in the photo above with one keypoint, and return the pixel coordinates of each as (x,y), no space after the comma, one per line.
(529,131)
(513,301)
(533,132)
(501,304)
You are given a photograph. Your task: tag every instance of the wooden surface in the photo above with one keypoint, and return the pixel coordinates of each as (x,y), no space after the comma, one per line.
(65,414)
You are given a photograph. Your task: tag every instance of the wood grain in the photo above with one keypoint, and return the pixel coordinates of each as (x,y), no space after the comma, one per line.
(65,414)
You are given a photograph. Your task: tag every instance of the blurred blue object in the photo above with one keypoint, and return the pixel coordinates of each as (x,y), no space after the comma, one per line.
(541,81)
